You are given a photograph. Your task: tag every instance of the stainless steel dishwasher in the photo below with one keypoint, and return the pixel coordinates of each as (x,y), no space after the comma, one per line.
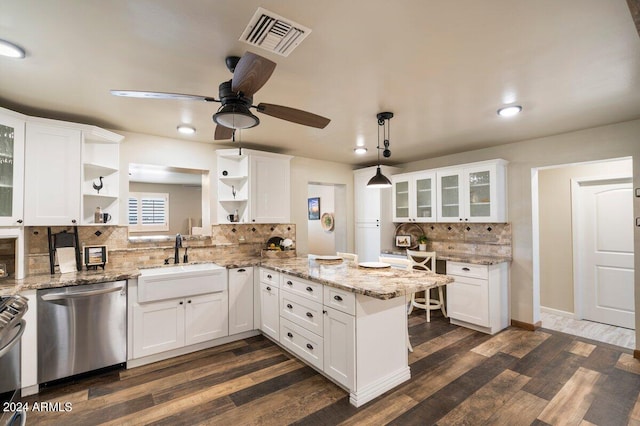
(81,328)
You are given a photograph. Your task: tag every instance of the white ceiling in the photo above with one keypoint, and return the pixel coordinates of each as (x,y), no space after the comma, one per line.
(442,67)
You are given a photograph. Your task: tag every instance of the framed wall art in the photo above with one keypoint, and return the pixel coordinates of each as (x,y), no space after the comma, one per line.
(314,208)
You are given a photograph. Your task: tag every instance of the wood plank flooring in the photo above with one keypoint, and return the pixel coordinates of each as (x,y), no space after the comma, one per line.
(459,377)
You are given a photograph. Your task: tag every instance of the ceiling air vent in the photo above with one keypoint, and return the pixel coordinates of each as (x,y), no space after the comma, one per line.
(274,33)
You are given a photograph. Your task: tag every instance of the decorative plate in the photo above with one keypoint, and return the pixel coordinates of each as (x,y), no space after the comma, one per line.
(328,258)
(376,265)
(326,220)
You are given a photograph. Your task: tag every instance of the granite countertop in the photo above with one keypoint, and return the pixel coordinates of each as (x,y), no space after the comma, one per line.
(385,283)
(453,256)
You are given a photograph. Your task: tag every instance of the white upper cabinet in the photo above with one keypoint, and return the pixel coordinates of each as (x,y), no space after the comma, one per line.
(253,184)
(11,168)
(52,175)
(270,188)
(414,197)
(472,193)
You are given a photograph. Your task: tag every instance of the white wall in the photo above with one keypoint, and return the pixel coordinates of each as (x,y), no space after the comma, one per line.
(305,171)
(600,143)
(319,240)
(555,219)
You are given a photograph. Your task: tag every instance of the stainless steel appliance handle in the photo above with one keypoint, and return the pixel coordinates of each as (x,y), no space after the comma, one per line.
(78,294)
(15,340)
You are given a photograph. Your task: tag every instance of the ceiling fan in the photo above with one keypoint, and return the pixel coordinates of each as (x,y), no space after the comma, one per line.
(250,73)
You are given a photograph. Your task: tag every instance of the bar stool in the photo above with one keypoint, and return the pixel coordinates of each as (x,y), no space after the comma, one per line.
(419,260)
(349,256)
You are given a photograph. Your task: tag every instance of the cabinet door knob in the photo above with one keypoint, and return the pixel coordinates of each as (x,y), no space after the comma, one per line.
(309,289)
(188,301)
(289,283)
(309,346)
(181,302)
(338,298)
(268,288)
(73,221)
(309,314)
(290,335)
(289,306)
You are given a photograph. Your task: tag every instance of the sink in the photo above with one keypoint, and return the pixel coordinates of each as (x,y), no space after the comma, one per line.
(177,281)
(182,270)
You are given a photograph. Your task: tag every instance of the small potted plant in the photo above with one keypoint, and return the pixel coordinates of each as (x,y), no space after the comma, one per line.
(422,243)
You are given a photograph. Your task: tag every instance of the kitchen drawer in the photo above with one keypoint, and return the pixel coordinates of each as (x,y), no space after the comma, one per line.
(301,311)
(339,299)
(468,270)
(268,276)
(305,344)
(304,288)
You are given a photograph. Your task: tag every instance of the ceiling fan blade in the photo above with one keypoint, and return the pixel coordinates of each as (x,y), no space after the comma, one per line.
(294,115)
(161,95)
(223,133)
(251,73)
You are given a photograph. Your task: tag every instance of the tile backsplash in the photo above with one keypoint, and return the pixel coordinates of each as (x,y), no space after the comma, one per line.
(491,239)
(230,239)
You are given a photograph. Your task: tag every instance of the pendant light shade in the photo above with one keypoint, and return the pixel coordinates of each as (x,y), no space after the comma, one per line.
(380,180)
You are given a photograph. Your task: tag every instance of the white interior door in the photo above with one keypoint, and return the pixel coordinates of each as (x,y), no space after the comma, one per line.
(603,250)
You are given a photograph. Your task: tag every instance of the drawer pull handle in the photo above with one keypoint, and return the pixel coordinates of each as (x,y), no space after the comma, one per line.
(309,314)
(290,335)
(466,269)
(289,283)
(289,306)
(181,302)
(309,346)
(269,276)
(338,298)
(242,270)
(268,288)
(309,289)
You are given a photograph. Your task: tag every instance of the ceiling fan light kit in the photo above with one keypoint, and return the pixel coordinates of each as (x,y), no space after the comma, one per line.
(235,116)
(380,180)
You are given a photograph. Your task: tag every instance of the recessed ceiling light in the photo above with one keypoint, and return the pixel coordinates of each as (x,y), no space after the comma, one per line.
(509,111)
(11,50)
(186,130)
(360,150)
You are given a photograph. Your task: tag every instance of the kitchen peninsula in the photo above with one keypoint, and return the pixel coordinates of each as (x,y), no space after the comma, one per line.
(347,321)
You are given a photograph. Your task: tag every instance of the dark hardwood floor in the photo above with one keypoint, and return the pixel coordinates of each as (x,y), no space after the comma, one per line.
(459,377)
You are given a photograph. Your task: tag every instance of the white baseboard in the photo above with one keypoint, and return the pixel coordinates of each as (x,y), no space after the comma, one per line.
(377,388)
(558,312)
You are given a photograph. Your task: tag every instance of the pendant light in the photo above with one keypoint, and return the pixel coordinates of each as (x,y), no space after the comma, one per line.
(380,180)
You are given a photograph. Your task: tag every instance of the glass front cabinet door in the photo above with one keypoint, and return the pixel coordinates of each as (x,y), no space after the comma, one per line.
(400,198)
(11,168)
(476,193)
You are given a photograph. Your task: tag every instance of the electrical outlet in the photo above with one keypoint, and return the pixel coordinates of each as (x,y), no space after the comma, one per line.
(637,221)
(637,192)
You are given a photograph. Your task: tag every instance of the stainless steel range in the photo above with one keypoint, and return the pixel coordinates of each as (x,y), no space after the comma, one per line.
(12,309)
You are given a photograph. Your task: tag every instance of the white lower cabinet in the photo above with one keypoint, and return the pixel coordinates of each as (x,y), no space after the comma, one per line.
(240,300)
(339,347)
(478,298)
(172,324)
(206,317)
(269,310)
(158,327)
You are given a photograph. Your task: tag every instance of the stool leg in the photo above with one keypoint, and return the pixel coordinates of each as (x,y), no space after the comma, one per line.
(427,297)
(442,307)
(413,298)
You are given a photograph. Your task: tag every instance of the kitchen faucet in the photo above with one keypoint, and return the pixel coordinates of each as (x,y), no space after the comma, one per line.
(176,255)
